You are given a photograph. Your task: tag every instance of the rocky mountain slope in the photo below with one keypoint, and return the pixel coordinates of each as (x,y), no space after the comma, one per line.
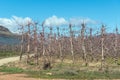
(7,37)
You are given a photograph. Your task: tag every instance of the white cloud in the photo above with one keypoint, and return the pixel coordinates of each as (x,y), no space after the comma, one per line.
(22,21)
(55,21)
(8,23)
(11,24)
(78,21)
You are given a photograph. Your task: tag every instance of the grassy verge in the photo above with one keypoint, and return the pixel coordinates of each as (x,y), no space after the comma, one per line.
(8,54)
(63,73)
(74,74)
(11,70)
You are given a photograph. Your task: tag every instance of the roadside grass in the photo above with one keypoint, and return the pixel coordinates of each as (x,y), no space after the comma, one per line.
(74,73)
(11,70)
(5,54)
(64,71)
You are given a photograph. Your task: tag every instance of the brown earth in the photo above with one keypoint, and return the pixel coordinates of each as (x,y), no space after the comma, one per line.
(4,76)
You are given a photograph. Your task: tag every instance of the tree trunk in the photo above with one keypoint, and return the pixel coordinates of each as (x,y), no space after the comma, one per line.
(102,46)
(22,40)
(71,43)
(83,43)
(28,44)
(116,45)
(35,43)
(43,44)
(60,46)
(91,45)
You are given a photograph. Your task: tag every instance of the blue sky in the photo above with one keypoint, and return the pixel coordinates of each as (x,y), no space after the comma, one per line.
(104,11)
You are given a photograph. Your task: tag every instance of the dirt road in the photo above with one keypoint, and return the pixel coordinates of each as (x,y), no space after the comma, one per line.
(7,60)
(11,59)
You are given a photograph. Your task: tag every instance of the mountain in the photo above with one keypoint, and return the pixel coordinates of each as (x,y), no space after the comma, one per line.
(3,29)
(7,37)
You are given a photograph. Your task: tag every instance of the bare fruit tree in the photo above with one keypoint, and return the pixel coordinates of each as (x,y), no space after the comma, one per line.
(22,42)
(28,43)
(102,46)
(60,45)
(36,43)
(83,43)
(91,45)
(116,45)
(71,43)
